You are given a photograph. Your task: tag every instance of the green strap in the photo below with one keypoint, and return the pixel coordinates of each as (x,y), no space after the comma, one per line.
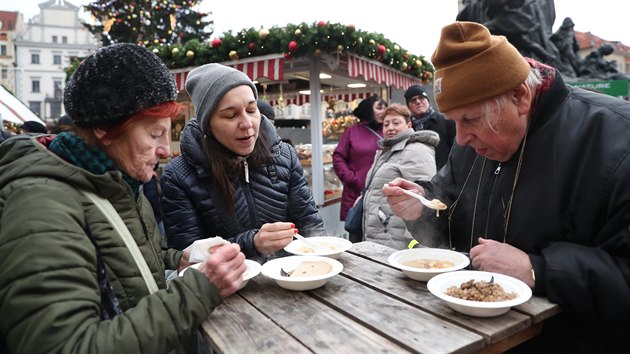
(116,221)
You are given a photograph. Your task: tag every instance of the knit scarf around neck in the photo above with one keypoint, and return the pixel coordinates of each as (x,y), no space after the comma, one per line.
(73,149)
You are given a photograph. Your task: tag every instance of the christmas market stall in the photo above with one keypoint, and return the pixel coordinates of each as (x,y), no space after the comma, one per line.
(313,76)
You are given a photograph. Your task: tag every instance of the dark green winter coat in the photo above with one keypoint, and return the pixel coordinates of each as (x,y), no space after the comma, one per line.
(49,293)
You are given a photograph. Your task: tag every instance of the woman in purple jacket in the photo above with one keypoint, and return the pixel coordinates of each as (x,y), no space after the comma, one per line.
(354,154)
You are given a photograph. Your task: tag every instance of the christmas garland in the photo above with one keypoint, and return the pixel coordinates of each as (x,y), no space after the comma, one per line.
(295,40)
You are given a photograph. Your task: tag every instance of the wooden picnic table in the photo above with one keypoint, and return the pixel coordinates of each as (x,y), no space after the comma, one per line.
(370,307)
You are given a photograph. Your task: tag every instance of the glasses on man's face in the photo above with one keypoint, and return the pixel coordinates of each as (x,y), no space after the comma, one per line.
(417,99)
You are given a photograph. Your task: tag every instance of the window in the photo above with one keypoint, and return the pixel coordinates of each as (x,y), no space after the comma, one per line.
(3,50)
(35,86)
(57,90)
(55,108)
(34,58)
(56,59)
(54,39)
(64,39)
(36,107)
(5,73)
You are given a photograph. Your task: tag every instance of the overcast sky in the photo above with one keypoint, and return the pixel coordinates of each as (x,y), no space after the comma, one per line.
(414,24)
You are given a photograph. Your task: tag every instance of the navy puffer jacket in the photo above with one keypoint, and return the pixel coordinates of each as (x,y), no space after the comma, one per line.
(275,192)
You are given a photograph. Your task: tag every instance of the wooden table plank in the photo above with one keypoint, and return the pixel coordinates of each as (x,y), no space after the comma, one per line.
(237,327)
(320,328)
(407,325)
(538,308)
(395,283)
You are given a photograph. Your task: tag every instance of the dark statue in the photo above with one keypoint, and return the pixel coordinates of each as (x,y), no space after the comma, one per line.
(527,24)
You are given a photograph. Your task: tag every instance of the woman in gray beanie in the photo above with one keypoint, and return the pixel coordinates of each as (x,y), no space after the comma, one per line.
(82,270)
(235,177)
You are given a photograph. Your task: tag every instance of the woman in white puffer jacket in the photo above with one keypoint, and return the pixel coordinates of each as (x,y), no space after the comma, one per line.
(404,153)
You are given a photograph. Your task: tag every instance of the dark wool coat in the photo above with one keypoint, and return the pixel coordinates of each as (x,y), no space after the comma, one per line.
(570,213)
(276,192)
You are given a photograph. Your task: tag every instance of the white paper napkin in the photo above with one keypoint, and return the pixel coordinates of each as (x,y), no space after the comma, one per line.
(200,249)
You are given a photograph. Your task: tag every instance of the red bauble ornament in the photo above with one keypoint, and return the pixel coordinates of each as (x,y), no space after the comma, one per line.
(251,46)
(321,24)
(381,49)
(216,42)
(288,56)
(293,46)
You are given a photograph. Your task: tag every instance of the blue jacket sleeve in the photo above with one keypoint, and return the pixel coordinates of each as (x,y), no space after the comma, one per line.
(182,223)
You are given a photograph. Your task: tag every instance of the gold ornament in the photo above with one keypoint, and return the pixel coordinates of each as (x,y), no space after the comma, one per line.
(173,21)
(340,48)
(371,42)
(175,50)
(317,52)
(233,55)
(396,47)
(263,33)
(190,54)
(156,51)
(419,63)
(297,32)
(107,25)
(156,41)
(404,65)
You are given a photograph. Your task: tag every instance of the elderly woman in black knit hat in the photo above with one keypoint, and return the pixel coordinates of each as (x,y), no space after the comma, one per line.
(235,177)
(82,269)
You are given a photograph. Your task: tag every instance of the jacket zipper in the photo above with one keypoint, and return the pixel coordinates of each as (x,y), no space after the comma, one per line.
(496,173)
(246,168)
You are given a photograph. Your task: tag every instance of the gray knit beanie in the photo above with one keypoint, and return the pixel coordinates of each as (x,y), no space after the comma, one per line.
(207,85)
(116,82)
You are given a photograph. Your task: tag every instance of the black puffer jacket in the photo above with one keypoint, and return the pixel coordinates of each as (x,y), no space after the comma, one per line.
(277,192)
(570,212)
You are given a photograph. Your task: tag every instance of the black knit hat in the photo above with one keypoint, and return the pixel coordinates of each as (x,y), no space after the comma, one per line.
(266,109)
(365,109)
(415,90)
(116,82)
(34,127)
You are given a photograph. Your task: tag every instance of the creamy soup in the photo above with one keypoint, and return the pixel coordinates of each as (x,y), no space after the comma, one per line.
(428,263)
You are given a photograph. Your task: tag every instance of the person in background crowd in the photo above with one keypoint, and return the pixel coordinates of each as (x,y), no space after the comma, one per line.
(355,151)
(70,281)
(266,110)
(536,187)
(424,117)
(3,134)
(33,127)
(404,153)
(235,177)
(64,123)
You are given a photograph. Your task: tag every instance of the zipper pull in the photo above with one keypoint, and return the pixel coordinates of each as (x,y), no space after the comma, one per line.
(498,170)
(246,166)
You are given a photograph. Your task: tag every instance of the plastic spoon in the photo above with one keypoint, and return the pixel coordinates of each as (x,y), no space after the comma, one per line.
(317,248)
(425,201)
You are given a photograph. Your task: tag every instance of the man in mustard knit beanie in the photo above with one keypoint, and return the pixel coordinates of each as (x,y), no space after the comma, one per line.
(536,187)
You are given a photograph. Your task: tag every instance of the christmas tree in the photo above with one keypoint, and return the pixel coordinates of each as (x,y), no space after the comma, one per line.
(148,22)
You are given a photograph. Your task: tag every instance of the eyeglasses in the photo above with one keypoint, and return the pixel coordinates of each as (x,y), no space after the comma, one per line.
(418,99)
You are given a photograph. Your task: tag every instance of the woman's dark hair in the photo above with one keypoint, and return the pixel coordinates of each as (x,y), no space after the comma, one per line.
(226,166)
(365,110)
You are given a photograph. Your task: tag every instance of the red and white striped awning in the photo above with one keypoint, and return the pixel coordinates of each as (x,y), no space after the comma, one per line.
(379,72)
(269,66)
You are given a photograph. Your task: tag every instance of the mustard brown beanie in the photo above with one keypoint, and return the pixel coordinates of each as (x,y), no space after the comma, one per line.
(472,65)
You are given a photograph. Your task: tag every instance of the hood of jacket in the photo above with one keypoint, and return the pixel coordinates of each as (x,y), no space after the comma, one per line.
(28,156)
(191,143)
(428,137)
